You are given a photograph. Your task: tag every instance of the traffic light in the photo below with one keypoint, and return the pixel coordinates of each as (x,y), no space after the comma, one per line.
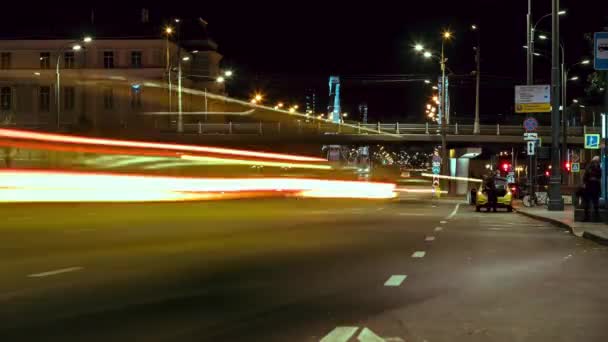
(505,167)
(568,166)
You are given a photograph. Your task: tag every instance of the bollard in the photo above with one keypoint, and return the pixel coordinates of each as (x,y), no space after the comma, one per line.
(378,127)
(497,129)
(397,128)
(426,130)
(456,128)
(200,128)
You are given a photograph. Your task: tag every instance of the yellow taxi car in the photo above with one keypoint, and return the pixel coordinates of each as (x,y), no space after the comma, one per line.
(504,197)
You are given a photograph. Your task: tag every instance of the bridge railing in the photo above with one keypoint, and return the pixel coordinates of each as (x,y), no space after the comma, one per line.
(377,128)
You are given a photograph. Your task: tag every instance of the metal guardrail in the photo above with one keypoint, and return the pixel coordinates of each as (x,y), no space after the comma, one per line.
(378,128)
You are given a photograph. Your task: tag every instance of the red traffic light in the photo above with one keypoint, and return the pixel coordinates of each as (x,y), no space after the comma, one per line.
(568,166)
(505,167)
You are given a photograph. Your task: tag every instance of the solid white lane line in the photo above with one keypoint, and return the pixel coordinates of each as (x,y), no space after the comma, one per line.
(454,212)
(340,334)
(438,229)
(367,335)
(429,238)
(419,254)
(55,272)
(395,280)
(412,214)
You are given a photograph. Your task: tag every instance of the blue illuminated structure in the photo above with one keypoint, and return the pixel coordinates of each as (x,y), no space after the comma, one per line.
(333,109)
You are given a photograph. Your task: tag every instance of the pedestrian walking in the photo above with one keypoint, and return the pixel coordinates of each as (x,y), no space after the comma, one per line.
(592,187)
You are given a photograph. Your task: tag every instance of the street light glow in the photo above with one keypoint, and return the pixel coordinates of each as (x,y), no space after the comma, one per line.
(427,81)
(562,12)
(220,79)
(542,36)
(427,54)
(258,97)
(228,73)
(186,58)
(575,101)
(447,35)
(168,30)
(585,61)
(76,47)
(573,78)
(87,39)
(418,47)
(280,104)
(473,27)
(435,88)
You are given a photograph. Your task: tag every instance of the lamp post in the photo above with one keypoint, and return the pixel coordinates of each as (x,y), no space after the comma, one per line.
(445,36)
(219,79)
(168,33)
(556,202)
(59,52)
(477,78)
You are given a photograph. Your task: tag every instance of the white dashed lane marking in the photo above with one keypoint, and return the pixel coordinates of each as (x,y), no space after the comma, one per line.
(419,254)
(55,272)
(429,238)
(443,222)
(395,280)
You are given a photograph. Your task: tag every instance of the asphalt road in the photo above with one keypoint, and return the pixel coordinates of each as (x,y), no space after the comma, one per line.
(295,270)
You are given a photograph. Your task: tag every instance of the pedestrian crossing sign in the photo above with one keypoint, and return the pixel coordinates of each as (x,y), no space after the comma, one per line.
(576,167)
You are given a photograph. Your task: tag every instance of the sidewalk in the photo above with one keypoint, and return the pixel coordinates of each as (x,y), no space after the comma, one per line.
(565,219)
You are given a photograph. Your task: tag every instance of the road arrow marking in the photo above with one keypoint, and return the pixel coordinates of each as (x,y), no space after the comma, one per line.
(395,280)
(367,335)
(419,254)
(340,334)
(429,238)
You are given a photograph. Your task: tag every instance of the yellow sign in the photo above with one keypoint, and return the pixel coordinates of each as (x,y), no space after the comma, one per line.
(533,108)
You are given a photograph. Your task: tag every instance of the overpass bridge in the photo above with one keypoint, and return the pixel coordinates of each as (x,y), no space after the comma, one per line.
(330,133)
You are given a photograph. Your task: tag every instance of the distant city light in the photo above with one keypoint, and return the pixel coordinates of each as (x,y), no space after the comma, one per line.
(474,27)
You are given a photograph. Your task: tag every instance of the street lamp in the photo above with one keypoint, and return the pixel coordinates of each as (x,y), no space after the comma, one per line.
(427,54)
(476,128)
(220,79)
(573,78)
(59,52)
(419,47)
(228,73)
(427,81)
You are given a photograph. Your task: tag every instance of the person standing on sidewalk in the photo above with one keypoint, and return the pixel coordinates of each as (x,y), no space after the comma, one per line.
(592,181)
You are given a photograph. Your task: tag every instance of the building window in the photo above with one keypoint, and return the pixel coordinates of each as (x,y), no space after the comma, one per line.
(6,98)
(108,59)
(44,99)
(136,59)
(136,96)
(68,98)
(68,60)
(108,98)
(5,60)
(45,60)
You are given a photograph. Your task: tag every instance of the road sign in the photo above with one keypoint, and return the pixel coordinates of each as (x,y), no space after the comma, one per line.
(592,141)
(575,157)
(530,149)
(530,136)
(530,124)
(600,50)
(436,170)
(576,167)
(435,182)
(511,177)
(533,99)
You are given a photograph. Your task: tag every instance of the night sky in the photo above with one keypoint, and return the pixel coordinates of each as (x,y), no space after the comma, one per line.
(282,48)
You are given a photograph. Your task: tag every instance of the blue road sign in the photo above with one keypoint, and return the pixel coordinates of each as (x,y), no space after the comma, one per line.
(600,50)
(576,167)
(436,170)
(530,124)
(592,141)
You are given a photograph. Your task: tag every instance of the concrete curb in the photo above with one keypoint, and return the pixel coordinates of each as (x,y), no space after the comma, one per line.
(587,235)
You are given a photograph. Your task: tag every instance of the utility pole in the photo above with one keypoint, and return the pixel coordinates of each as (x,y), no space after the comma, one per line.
(477,80)
(556,202)
(564,76)
(530,81)
(180,119)
(444,144)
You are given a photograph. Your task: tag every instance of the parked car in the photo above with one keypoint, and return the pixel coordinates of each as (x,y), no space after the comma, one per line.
(504,196)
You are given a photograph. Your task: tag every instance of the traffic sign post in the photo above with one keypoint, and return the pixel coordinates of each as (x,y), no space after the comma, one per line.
(533,99)
(576,167)
(531,148)
(600,51)
(592,141)
(530,124)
